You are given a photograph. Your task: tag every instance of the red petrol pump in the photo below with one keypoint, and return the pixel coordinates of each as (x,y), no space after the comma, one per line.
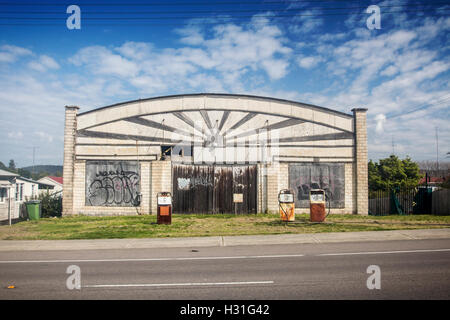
(287,205)
(317,205)
(164,202)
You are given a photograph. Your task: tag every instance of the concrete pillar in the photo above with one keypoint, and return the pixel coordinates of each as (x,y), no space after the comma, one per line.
(70,129)
(277,179)
(361,170)
(161,181)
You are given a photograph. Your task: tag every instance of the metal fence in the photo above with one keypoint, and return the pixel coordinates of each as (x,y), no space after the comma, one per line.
(441,202)
(406,201)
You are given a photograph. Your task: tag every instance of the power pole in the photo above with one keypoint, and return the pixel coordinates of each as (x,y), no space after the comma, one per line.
(437,151)
(34,156)
(34,151)
(393,146)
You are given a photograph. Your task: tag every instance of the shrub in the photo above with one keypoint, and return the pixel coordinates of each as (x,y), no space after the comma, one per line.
(51,205)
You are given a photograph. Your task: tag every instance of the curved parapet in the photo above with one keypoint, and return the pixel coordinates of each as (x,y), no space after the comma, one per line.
(313,131)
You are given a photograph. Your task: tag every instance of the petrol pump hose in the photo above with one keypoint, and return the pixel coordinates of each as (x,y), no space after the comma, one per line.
(328,199)
(281,207)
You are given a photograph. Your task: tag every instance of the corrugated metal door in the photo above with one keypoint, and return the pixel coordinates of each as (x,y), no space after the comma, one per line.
(210,189)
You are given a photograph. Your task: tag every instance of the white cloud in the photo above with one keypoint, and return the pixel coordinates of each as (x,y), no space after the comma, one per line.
(43,64)
(10,53)
(101,60)
(135,50)
(228,50)
(308,62)
(389,71)
(412,63)
(44,137)
(191,35)
(306,22)
(380,119)
(149,85)
(17,135)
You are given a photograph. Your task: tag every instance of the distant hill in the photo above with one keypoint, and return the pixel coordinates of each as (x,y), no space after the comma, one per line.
(52,170)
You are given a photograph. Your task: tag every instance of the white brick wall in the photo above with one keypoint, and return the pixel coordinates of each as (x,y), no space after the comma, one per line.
(161,176)
(79,193)
(361,171)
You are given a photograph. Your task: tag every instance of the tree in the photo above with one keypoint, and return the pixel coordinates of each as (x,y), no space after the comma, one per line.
(393,173)
(24,173)
(412,172)
(12,165)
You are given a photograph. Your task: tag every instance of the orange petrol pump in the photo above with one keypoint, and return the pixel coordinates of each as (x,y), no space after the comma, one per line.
(317,205)
(164,202)
(287,205)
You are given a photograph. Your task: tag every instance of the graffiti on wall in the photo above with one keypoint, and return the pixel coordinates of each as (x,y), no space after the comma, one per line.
(112,183)
(327,176)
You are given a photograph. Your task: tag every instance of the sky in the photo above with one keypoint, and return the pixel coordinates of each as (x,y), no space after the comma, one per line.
(319,52)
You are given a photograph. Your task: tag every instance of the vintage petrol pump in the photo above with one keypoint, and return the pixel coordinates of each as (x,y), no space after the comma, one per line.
(286,204)
(164,202)
(317,205)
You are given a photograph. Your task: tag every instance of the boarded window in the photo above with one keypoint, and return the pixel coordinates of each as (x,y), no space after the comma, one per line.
(112,183)
(328,176)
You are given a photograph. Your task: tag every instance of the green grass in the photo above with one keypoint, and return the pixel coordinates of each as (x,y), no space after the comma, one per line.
(144,226)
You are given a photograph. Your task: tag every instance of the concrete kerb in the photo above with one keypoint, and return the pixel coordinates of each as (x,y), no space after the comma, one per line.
(219,241)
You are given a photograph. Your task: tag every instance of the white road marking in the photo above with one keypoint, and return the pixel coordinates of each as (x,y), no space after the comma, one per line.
(177,284)
(220,258)
(155,259)
(381,252)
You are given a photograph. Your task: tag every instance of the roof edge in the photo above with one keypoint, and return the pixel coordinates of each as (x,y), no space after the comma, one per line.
(217,95)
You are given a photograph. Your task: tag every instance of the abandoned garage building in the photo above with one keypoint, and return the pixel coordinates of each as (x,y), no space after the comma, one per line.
(206,148)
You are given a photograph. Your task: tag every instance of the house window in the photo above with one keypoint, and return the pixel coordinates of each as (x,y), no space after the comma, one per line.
(3,194)
(19,191)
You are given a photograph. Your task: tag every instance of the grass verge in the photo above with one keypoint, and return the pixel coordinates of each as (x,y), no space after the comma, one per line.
(144,226)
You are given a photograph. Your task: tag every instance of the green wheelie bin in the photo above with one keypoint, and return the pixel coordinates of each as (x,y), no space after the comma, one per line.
(33,209)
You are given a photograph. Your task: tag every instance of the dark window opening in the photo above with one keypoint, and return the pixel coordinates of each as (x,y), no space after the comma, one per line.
(182,151)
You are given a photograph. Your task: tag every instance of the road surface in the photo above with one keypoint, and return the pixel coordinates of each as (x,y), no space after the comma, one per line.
(410,269)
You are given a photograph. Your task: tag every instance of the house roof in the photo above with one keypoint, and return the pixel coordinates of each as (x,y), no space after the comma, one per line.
(432,180)
(56,179)
(28,180)
(4,173)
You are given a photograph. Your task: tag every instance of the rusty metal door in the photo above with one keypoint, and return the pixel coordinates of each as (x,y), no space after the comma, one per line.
(193,188)
(244,182)
(210,189)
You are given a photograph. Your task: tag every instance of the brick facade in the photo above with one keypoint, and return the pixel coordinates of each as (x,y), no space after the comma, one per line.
(361,158)
(156,175)
(70,128)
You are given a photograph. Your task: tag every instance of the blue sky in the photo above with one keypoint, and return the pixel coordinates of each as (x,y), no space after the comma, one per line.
(318,52)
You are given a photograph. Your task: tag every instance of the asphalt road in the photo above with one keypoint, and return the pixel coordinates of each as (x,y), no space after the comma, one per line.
(411,269)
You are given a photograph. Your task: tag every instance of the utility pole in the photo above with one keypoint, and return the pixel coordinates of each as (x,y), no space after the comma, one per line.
(393,146)
(437,150)
(34,153)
